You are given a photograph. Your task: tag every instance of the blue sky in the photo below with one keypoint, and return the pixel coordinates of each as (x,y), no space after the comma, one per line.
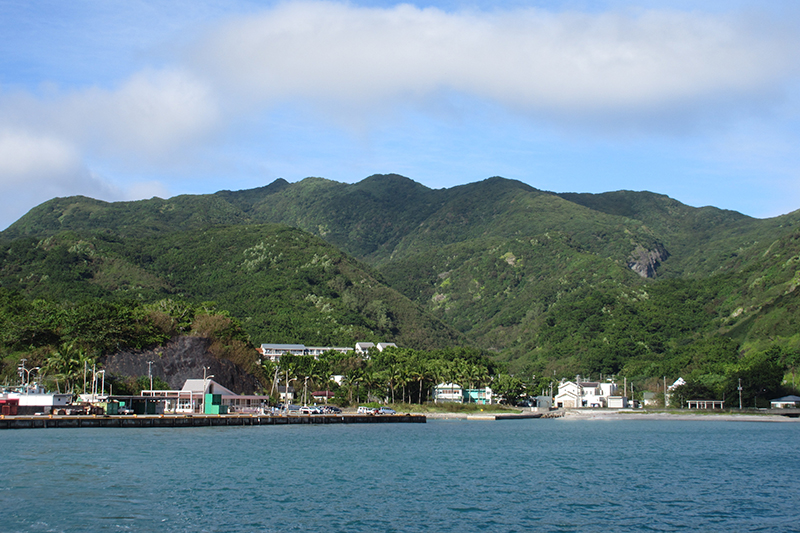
(123,100)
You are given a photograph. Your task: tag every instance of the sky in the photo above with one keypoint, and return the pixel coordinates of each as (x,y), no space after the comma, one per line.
(129,99)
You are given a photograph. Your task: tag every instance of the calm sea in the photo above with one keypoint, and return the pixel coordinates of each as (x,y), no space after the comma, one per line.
(524,475)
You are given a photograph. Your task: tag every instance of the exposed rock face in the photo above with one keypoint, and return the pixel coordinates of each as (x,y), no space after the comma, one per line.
(181,359)
(645,262)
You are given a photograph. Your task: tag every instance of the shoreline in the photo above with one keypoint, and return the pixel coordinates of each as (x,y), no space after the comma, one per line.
(590,414)
(578,414)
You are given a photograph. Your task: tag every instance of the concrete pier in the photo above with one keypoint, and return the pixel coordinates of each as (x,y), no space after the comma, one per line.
(198,420)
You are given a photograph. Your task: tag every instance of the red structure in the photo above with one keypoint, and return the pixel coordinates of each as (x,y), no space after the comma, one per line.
(9,406)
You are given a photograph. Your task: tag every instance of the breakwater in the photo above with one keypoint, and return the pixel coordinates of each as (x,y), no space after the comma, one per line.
(178,421)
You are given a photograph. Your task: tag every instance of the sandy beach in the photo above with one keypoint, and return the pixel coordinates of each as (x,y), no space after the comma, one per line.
(586,414)
(610,414)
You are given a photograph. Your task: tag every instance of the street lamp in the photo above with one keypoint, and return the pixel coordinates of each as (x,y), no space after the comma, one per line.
(20,370)
(206,377)
(26,377)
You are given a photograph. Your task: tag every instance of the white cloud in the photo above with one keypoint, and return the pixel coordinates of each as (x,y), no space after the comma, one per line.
(618,66)
(25,158)
(652,70)
(153,114)
(148,119)
(34,169)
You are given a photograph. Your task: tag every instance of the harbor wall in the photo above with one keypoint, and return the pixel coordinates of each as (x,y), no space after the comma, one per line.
(177,421)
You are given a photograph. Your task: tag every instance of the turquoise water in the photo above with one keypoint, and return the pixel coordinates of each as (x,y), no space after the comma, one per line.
(524,475)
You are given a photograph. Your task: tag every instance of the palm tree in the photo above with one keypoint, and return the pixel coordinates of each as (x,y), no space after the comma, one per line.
(403,378)
(68,363)
(353,379)
(418,371)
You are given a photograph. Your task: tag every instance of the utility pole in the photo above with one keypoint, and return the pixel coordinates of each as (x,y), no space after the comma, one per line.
(665,392)
(150,373)
(740,394)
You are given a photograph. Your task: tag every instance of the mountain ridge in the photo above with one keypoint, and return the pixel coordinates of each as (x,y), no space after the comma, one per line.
(499,261)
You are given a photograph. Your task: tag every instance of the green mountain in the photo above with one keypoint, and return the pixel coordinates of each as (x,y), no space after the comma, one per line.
(631,282)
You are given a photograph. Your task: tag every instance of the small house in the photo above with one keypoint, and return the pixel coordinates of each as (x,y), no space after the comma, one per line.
(787,402)
(618,402)
(448,393)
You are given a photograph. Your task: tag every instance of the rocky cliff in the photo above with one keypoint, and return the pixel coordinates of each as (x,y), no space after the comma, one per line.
(645,262)
(181,359)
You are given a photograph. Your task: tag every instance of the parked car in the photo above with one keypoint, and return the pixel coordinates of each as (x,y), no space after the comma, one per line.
(386,411)
(366,410)
(310,410)
(332,409)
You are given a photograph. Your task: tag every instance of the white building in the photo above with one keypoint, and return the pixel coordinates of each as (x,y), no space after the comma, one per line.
(455,393)
(574,394)
(363,347)
(448,393)
(787,402)
(190,398)
(618,402)
(273,352)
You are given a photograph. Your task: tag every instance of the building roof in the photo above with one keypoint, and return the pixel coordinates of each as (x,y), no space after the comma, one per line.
(790,398)
(383,345)
(207,386)
(283,346)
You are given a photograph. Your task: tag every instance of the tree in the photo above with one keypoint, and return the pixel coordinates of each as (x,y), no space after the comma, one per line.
(509,387)
(761,375)
(691,390)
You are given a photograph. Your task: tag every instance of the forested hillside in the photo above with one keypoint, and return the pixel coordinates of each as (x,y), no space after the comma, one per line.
(631,283)
(279,282)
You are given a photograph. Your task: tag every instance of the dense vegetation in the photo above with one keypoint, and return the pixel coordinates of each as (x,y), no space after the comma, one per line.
(397,375)
(63,339)
(280,283)
(549,284)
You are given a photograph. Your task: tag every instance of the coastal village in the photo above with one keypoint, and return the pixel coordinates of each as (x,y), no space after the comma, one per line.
(205,395)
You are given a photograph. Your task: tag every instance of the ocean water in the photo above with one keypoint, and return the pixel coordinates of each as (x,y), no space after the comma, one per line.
(454,475)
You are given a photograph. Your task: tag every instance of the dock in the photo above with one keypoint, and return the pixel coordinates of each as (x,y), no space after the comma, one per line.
(509,416)
(195,420)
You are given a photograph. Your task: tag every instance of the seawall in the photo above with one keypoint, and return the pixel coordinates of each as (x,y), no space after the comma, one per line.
(178,421)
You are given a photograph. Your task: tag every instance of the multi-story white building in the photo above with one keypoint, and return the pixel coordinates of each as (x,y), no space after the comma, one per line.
(573,394)
(273,352)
